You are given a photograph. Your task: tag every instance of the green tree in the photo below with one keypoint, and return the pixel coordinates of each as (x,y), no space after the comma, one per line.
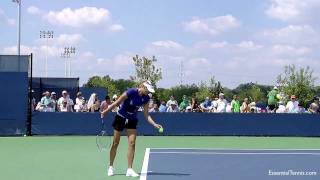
(253,91)
(104,82)
(211,89)
(146,70)
(123,84)
(298,82)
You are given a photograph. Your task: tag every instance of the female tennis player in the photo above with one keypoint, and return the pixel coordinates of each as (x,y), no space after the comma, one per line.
(126,118)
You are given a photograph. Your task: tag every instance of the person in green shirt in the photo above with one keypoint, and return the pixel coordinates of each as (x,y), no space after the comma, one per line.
(272,99)
(235,104)
(184,104)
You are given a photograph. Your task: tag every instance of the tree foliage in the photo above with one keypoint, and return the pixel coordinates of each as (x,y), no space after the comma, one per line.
(211,89)
(113,86)
(299,82)
(146,70)
(252,91)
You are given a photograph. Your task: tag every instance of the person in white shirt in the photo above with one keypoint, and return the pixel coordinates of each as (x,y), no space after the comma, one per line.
(229,108)
(221,103)
(173,108)
(281,107)
(172,101)
(292,105)
(65,98)
(78,107)
(53,101)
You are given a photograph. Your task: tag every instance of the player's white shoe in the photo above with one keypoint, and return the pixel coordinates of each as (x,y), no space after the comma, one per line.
(131,173)
(110,171)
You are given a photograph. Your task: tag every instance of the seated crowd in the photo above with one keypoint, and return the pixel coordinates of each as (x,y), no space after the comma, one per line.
(50,103)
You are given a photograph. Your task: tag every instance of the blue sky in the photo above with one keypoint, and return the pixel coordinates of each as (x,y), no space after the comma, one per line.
(235,41)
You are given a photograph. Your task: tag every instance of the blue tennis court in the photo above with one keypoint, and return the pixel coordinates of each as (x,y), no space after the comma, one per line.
(231,164)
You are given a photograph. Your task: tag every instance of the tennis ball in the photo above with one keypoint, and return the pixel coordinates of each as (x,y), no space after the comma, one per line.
(278,96)
(25,135)
(160,130)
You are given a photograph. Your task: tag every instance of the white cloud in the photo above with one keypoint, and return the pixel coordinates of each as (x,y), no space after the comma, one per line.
(164,47)
(38,50)
(249,45)
(62,40)
(83,17)
(116,28)
(69,39)
(293,34)
(292,10)
(231,62)
(167,44)
(34,10)
(5,19)
(211,26)
(288,50)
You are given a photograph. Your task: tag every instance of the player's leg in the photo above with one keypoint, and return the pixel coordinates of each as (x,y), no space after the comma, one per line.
(114,147)
(131,133)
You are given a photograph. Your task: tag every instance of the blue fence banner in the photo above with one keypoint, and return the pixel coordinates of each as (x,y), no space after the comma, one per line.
(14,104)
(213,124)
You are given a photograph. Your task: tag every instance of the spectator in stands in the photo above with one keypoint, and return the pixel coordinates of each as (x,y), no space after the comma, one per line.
(245,106)
(184,104)
(228,108)
(45,102)
(78,107)
(301,109)
(221,103)
(61,102)
(214,104)
(172,100)
(272,99)
(65,107)
(206,106)
(194,105)
(292,105)
(105,104)
(163,107)
(154,108)
(114,98)
(150,105)
(189,109)
(33,101)
(93,103)
(235,104)
(53,102)
(281,107)
(173,107)
(253,108)
(314,106)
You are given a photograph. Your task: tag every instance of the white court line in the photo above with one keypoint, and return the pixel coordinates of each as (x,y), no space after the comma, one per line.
(226,153)
(144,170)
(235,149)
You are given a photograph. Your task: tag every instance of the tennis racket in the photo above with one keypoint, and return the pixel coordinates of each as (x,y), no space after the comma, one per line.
(103,139)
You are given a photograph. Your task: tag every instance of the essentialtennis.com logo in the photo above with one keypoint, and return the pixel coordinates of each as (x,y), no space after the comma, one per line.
(292,173)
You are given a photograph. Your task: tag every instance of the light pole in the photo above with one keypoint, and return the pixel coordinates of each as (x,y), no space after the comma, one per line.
(46,35)
(68,51)
(19,24)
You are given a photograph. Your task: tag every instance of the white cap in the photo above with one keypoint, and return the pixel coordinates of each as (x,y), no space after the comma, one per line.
(149,86)
(64,92)
(275,87)
(114,96)
(221,94)
(53,93)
